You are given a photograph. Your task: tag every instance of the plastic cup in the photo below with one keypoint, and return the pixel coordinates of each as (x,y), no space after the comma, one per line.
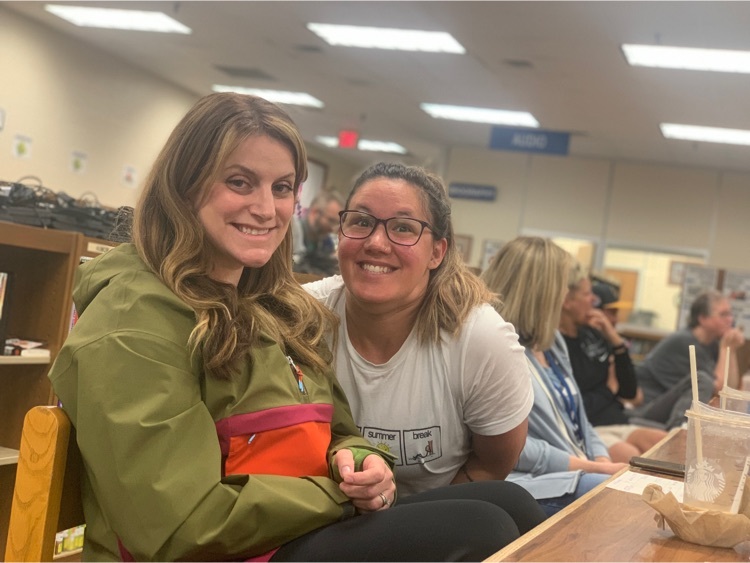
(734,400)
(718,445)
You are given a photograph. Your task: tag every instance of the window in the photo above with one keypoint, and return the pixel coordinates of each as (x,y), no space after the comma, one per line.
(650,280)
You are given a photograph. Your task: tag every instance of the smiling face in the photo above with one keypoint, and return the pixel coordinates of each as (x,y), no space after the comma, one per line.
(377,272)
(247,210)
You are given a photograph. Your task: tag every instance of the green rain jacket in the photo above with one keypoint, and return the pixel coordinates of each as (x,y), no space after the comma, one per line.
(155,433)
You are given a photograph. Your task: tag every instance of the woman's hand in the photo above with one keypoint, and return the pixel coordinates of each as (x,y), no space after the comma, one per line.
(601,464)
(598,320)
(372,488)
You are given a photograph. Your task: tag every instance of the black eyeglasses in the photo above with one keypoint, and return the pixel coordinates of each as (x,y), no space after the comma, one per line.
(399,230)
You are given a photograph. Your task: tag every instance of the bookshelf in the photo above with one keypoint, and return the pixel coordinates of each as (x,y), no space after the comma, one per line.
(43,263)
(8,456)
(19,360)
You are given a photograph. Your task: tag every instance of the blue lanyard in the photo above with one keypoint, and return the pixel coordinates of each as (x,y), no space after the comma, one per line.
(560,383)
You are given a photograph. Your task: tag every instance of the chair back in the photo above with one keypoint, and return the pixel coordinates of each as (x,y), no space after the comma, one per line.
(47,493)
(303,277)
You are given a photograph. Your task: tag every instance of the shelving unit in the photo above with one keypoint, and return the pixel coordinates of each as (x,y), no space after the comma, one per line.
(23,360)
(43,264)
(8,456)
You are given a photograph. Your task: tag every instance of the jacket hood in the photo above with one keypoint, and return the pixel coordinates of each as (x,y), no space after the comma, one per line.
(95,275)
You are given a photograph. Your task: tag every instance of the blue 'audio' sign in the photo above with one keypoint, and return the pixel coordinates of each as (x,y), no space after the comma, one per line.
(529,140)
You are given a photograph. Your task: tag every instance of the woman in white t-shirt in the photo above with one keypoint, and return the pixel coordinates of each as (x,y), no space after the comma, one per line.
(433,374)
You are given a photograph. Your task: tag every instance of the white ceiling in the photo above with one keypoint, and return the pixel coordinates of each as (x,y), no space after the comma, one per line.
(561,61)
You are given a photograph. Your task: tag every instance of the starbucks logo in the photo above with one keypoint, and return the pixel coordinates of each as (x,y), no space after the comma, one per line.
(705,481)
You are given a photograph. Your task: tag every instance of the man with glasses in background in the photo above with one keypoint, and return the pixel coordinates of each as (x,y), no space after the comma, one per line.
(664,375)
(315,236)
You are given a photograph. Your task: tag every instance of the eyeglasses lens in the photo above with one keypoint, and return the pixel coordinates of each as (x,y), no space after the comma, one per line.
(400,230)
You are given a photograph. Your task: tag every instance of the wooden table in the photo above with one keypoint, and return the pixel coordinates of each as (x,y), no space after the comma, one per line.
(611,525)
(671,448)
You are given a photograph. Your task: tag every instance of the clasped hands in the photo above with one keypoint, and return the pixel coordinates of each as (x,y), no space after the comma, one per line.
(371,489)
(734,338)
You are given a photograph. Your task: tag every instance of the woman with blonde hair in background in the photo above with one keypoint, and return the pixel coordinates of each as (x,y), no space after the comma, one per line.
(563,457)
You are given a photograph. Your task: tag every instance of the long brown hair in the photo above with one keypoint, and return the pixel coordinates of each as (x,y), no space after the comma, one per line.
(171,240)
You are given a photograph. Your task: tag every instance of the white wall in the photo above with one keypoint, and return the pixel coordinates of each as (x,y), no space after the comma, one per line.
(340,173)
(640,205)
(67,97)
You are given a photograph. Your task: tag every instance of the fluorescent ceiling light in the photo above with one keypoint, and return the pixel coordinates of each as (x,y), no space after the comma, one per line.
(719,60)
(277,96)
(387,38)
(365,145)
(380,146)
(705,134)
(481,115)
(134,20)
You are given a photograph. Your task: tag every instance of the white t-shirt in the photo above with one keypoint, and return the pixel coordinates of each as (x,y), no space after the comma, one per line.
(424,403)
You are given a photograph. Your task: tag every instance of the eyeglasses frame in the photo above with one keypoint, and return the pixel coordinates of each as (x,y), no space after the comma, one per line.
(378,221)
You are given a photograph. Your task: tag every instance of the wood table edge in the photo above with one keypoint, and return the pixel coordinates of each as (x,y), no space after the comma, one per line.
(552,520)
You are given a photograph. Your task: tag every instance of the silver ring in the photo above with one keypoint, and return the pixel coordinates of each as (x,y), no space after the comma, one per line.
(384,499)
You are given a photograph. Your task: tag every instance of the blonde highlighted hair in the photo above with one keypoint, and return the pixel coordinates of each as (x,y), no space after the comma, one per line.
(531,276)
(452,290)
(171,240)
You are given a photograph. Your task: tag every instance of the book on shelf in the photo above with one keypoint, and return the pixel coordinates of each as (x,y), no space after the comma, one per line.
(22,347)
(6,280)
(70,540)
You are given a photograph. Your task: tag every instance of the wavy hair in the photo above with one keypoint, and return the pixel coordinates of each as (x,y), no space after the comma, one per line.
(531,275)
(452,289)
(171,240)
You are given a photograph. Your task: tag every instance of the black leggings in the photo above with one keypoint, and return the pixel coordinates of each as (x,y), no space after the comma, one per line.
(466,522)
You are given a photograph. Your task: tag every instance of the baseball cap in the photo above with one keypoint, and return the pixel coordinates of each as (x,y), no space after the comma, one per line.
(608,297)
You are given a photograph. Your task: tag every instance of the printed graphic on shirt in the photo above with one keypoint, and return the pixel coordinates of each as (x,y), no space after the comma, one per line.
(594,348)
(422,445)
(385,440)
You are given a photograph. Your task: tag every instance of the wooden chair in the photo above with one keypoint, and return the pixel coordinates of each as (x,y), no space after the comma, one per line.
(47,494)
(302,277)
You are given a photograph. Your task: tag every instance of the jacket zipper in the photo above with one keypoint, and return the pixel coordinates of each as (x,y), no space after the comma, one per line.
(297,375)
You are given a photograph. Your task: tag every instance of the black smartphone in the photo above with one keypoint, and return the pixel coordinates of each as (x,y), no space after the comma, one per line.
(659,466)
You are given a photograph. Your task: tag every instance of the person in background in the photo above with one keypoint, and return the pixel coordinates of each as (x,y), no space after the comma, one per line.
(432,372)
(199,383)
(607,299)
(563,457)
(603,371)
(664,375)
(314,236)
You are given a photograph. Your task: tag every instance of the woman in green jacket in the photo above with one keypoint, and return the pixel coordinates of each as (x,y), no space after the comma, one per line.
(199,383)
